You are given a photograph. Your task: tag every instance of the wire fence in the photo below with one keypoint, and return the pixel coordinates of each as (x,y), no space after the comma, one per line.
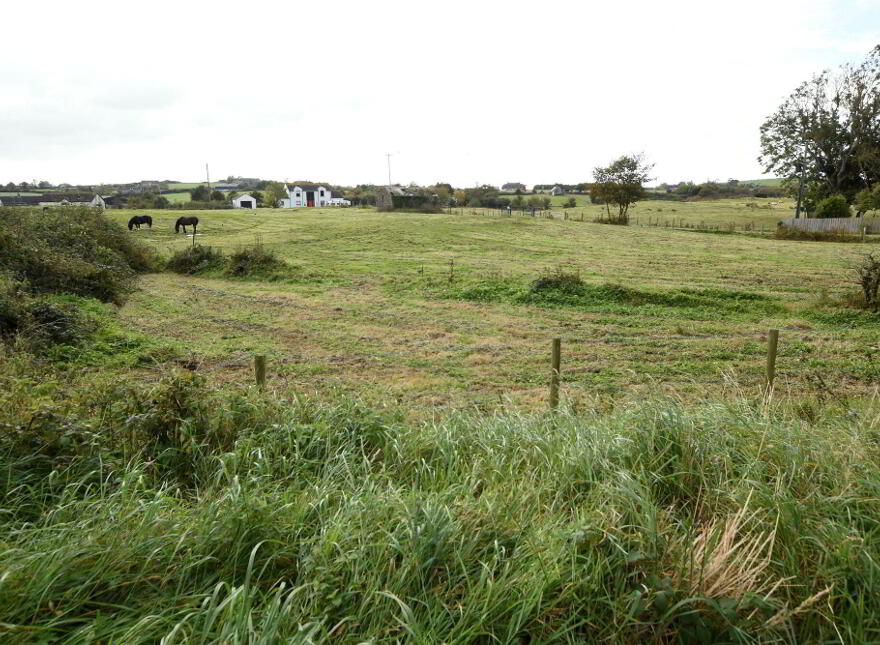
(571,375)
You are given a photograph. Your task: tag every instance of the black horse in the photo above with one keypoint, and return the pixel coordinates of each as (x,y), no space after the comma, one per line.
(137,220)
(184,222)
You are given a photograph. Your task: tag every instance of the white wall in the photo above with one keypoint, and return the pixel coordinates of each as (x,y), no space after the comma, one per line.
(237,202)
(298,197)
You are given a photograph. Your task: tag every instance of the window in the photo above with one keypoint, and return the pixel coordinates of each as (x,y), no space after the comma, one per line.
(322,193)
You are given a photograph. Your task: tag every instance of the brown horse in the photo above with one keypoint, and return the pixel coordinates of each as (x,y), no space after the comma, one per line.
(184,222)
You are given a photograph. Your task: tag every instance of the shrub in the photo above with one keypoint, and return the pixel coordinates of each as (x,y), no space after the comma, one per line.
(196,259)
(869,279)
(13,310)
(53,323)
(560,281)
(71,250)
(834,206)
(254,260)
(571,202)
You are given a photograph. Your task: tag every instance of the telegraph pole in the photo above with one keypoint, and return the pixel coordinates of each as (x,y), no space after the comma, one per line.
(208,178)
(388,156)
(797,212)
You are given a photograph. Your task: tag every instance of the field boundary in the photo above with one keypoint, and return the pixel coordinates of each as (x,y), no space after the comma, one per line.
(763,376)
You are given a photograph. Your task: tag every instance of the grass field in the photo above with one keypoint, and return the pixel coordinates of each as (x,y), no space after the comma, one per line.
(185,186)
(386,303)
(177,198)
(151,493)
(724,214)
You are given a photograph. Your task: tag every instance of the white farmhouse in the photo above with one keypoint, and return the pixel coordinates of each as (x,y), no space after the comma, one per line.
(244,201)
(306,196)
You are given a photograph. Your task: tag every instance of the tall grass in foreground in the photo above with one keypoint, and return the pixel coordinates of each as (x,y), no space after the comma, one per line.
(201,519)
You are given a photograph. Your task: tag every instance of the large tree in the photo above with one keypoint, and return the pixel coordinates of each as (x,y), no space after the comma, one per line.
(274,193)
(829,129)
(200,194)
(620,183)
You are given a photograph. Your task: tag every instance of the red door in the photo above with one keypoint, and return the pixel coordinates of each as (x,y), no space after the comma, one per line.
(311,203)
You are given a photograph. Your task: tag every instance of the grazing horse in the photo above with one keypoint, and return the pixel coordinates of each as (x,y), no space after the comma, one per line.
(184,222)
(137,220)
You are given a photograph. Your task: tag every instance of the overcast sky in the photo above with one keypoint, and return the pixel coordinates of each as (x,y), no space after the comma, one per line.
(460,92)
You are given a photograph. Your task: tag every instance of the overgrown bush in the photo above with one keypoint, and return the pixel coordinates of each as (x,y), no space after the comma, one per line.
(834,206)
(248,261)
(869,279)
(13,309)
(53,323)
(560,281)
(71,250)
(196,259)
(254,260)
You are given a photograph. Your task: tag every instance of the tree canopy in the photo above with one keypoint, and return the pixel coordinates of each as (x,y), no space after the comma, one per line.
(274,193)
(829,127)
(200,194)
(620,183)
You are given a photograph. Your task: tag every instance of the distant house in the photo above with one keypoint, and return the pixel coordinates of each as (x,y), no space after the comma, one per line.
(115,201)
(306,196)
(20,200)
(513,187)
(557,190)
(55,199)
(244,201)
(339,201)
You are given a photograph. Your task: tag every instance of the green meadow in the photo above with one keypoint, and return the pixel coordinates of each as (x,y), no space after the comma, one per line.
(399,478)
(388,303)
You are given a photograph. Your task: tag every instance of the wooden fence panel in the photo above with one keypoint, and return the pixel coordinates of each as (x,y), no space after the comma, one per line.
(836,224)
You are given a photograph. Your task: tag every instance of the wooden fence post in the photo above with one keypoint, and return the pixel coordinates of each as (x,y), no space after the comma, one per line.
(772,344)
(260,370)
(555,361)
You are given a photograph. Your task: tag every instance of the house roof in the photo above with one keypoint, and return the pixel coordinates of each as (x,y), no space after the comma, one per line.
(307,186)
(22,200)
(244,196)
(71,197)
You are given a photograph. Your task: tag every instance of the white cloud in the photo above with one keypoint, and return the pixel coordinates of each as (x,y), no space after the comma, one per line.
(461,91)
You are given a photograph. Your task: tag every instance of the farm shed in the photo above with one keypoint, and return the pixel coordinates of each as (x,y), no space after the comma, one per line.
(557,190)
(244,201)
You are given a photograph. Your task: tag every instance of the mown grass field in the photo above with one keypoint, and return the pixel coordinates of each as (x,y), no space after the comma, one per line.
(151,493)
(385,304)
(177,198)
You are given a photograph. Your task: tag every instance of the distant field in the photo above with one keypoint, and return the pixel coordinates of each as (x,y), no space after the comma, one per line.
(772,181)
(722,213)
(177,198)
(399,290)
(180,186)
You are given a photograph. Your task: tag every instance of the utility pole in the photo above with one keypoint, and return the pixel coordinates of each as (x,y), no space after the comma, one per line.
(208,178)
(388,156)
(797,212)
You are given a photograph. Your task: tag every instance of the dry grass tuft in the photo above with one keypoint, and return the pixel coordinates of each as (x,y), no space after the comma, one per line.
(727,560)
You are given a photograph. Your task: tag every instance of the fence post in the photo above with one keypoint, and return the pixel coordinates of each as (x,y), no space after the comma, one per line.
(772,343)
(260,370)
(864,230)
(555,361)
